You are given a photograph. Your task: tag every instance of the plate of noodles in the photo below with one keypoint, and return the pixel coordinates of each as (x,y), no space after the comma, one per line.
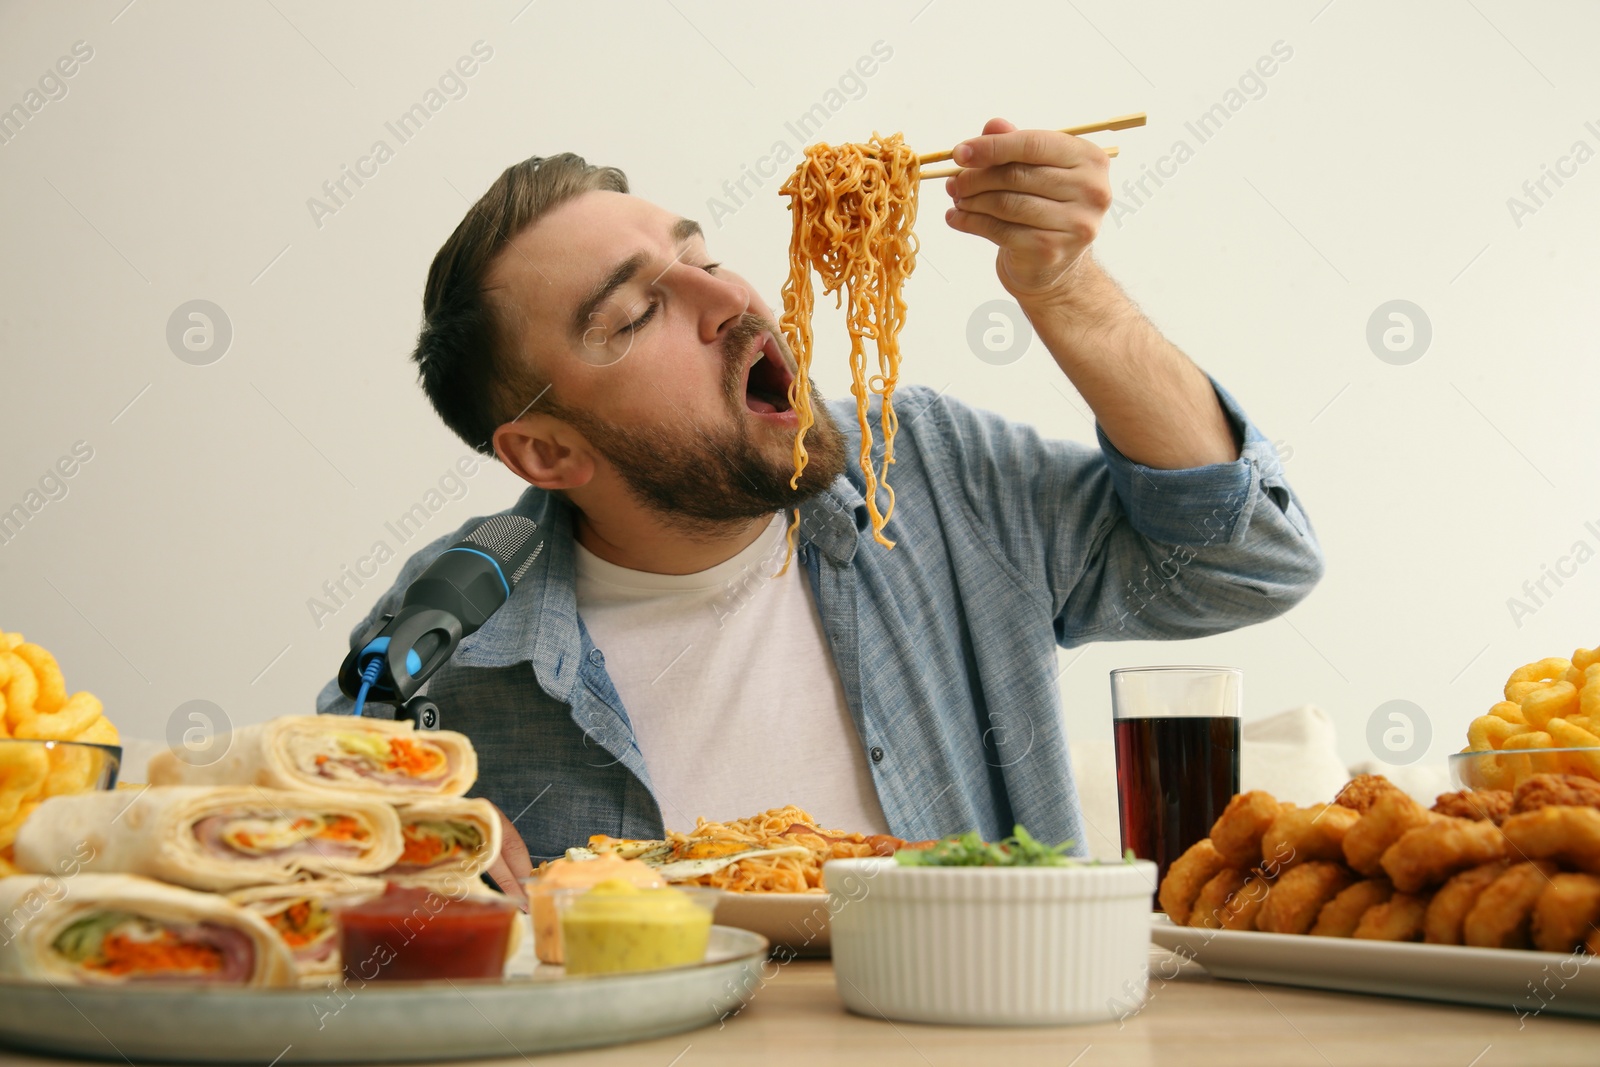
(769,866)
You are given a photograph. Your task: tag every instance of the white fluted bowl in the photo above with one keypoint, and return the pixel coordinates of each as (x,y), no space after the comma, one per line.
(1001,946)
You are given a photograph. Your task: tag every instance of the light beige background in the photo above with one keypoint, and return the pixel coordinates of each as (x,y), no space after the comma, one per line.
(1375,164)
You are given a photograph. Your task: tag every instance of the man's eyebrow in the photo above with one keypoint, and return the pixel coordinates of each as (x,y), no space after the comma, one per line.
(623,273)
(620,275)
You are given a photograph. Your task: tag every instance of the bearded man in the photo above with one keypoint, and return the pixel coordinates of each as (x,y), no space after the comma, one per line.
(654,665)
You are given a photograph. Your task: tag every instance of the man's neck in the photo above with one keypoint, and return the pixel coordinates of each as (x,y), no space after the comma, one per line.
(639,540)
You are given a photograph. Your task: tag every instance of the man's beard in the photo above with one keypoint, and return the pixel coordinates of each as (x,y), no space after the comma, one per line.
(698,477)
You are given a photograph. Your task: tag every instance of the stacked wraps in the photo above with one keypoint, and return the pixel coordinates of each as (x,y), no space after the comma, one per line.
(301,815)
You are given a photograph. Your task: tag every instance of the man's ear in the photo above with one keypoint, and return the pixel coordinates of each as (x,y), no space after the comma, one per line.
(545,452)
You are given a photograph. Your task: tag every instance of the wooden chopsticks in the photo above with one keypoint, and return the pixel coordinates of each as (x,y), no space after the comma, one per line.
(1121,122)
(951,172)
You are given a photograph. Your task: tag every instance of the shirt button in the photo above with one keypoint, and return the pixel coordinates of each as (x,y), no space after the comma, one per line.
(877,754)
(596,657)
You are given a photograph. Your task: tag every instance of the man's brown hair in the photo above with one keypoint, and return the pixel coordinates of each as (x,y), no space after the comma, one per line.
(468,355)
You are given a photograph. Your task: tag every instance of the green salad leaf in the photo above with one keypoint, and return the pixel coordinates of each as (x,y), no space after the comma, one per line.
(971,850)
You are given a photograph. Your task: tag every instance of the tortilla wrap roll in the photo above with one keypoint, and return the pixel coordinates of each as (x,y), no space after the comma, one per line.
(333,753)
(304,914)
(212,838)
(113,929)
(445,836)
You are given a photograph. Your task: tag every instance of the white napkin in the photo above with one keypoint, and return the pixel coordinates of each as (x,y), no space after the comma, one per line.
(1294,755)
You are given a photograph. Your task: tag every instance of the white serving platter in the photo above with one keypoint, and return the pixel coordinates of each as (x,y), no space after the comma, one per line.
(1529,983)
(535,1009)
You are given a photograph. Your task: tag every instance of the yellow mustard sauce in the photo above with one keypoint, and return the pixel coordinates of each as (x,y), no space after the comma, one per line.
(563,874)
(616,926)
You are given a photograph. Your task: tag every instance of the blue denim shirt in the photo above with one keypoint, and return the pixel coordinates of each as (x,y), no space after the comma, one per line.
(1008,545)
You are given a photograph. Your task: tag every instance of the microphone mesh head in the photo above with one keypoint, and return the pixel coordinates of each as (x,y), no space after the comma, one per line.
(522,568)
(503,536)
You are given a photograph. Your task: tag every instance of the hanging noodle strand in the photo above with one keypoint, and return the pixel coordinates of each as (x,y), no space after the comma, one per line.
(853,207)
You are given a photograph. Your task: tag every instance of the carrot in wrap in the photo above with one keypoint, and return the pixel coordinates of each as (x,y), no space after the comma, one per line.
(305,915)
(457,836)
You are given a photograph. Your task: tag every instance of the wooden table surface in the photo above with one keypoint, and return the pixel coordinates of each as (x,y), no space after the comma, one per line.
(797,1018)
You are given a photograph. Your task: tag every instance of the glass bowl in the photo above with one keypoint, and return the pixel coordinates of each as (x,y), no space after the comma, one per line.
(1509,768)
(636,930)
(33,771)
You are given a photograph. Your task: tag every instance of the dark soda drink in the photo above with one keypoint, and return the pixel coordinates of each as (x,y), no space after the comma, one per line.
(1175,774)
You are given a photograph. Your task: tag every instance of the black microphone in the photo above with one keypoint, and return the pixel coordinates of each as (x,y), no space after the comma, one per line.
(454,596)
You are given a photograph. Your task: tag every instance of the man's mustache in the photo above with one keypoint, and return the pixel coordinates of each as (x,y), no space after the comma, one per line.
(736,345)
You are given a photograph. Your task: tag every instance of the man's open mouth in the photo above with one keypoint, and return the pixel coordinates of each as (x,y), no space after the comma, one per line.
(766,386)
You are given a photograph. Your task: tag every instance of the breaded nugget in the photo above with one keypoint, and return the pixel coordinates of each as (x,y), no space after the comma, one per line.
(1305,835)
(1390,816)
(1340,916)
(1570,836)
(1501,917)
(1397,919)
(1491,804)
(1429,854)
(1555,790)
(1237,831)
(1244,907)
(1186,877)
(1362,791)
(1298,897)
(1211,904)
(1449,906)
(1566,913)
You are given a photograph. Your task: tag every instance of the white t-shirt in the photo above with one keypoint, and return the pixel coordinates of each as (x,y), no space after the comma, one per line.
(731,687)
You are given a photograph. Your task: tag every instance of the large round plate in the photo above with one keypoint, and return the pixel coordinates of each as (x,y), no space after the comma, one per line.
(381,1022)
(797,922)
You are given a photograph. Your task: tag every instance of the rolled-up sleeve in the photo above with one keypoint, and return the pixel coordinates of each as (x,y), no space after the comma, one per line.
(1129,552)
(1206,505)
(1197,550)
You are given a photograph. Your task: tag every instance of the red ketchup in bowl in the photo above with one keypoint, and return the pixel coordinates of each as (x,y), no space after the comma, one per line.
(411,934)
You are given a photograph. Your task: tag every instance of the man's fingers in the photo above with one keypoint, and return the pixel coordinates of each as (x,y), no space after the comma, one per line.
(1056,183)
(1020,208)
(513,864)
(1005,234)
(508,882)
(1027,223)
(1048,147)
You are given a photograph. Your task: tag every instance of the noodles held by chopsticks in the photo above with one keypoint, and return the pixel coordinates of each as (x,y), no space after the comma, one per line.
(853,207)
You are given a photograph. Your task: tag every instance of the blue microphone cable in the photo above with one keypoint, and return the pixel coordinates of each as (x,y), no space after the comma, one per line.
(368,676)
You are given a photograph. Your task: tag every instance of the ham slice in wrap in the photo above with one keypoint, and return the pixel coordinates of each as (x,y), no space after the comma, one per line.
(338,753)
(218,839)
(305,915)
(445,837)
(112,929)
